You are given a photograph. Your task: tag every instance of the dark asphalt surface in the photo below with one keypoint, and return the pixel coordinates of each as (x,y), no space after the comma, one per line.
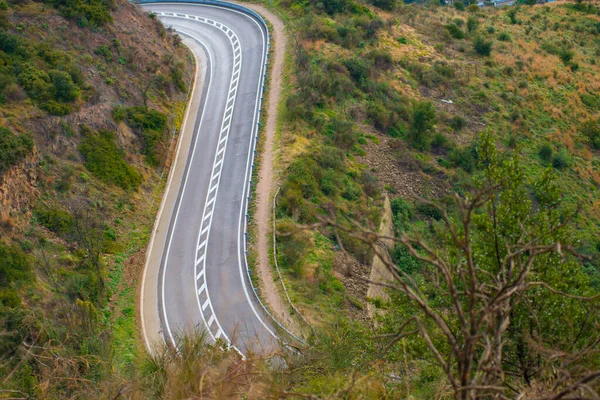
(203,278)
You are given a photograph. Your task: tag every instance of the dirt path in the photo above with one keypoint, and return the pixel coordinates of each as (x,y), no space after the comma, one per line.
(264,189)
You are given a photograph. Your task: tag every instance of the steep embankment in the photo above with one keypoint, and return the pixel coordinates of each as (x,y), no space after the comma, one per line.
(91,97)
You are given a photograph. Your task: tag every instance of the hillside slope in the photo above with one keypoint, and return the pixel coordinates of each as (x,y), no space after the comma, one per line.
(91,97)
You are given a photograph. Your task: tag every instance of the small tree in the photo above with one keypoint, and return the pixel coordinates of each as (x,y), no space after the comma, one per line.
(482,46)
(422,120)
(498,300)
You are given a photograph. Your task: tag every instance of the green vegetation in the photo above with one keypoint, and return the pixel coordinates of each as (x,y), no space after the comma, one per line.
(75,216)
(152,126)
(50,77)
(493,268)
(105,159)
(13,149)
(86,12)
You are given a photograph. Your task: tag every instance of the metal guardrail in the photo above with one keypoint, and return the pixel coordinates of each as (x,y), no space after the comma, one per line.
(254,14)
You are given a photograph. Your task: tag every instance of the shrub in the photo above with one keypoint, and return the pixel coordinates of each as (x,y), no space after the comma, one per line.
(15,266)
(359,69)
(463,158)
(504,37)
(591,131)
(561,160)
(55,219)
(105,159)
(13,148)
(482,46)
(9,43)
(388,5)
(590,100)
(439,141)
(342,133)
(86,12)
(457,123)
(422,120)
(429,211)
(381,59)
(402,213)
(64,87)
(546,152)
(104,51)
(459,5)
(152,125)
(455,31)
(472,24)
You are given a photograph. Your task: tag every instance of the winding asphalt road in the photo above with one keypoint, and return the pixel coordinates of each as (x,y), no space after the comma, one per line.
(196,274)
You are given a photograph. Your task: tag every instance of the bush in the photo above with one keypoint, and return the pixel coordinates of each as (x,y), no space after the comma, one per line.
(151,124)
(504,37)
(388,5)
(590,100)
(86,12)
(402,214)
(561,160)
(591,131)
(459,5)
(15,266)
(455,31)
(482,46)
(104,51)
(105,159)
(429,211)
(463,158)
(13,148)
(546,152)
(359,69)
(422,120)
(457,123)
(55,219)
(472,24)
(64,87)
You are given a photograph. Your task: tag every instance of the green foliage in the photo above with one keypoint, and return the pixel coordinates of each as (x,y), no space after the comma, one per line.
(561,160)
(86,12)
(455,31)
(590,100)
(464,158)
(512,14)
(422,121)
(590,129)
(64,87)
(459,5)
(482,46)
(151,124)
(105,159)
(55,219)
(457,123)
(15,266)
(13,149)
(402,214)
(546,152)
(104,51)
(472,24)
(388,5)
(504,37)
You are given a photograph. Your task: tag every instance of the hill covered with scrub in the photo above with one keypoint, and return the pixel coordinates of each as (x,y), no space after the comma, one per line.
(91,96)
(479,125)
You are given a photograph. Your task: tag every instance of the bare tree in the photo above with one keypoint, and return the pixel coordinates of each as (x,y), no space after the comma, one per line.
(490,261)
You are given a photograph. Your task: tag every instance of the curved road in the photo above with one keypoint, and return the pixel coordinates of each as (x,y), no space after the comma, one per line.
(197,268)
